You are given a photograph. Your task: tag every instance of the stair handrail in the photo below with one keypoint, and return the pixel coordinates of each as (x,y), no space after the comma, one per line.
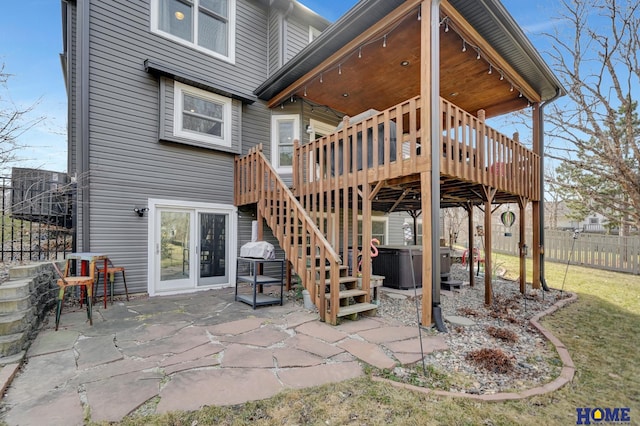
(309,223)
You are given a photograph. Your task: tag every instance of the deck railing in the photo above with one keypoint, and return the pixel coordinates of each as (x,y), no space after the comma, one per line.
(388,145)
(474,152)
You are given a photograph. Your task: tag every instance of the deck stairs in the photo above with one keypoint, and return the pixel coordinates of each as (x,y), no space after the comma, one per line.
(333,290)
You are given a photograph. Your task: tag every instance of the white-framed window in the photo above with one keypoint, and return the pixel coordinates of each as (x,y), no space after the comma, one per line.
(379,229)
(284,130)
(206,25)
(202,116)
(319,129)
(313,33)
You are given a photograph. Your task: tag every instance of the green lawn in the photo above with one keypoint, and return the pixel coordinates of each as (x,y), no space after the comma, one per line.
(601,332)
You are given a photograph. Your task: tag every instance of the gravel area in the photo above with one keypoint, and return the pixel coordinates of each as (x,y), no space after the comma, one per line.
(510,355)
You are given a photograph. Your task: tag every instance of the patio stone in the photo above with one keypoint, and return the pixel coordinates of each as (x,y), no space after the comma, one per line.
(314,346)
(190,365)
(203,351)
(319,375)
(113,398)
(44,373)
(354,327)
(321,331)
(388,334)
(236,327)
(50,341)
(368,352)
(119,368)
(458,320)
(264,337)
(287,358)
(58,407)
(96,351)
(429,344)
(240,356)
(191,390)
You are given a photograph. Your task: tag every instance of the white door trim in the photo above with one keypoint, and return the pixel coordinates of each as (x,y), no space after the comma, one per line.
(154,204)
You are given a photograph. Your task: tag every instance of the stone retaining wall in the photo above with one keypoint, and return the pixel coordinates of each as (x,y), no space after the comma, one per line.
(25,300)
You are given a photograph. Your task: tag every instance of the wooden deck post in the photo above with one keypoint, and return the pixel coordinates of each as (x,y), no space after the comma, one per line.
(489,194)
(430,136)
(538,244)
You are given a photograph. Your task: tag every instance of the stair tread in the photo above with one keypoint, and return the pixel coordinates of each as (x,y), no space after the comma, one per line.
(347,293)
(342,280)
(355,308)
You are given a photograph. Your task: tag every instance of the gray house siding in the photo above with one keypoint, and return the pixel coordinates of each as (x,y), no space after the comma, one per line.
(297,37)
(275,41)
(133,154)
(128,163)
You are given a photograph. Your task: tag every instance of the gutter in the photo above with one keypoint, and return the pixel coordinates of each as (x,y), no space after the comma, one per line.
(559,93)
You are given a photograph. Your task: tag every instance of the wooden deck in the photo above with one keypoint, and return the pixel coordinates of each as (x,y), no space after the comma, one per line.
(377,165)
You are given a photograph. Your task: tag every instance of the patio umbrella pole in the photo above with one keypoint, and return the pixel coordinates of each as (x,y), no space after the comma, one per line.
(415,297)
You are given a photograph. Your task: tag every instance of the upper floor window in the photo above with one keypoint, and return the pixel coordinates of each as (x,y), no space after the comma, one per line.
(207,25)
(201,115)
(285,129)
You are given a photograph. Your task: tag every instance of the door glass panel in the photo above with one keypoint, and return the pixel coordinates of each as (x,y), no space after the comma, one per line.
(175,241)
(213,249)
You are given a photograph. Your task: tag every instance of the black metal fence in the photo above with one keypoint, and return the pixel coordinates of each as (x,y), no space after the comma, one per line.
(36,216)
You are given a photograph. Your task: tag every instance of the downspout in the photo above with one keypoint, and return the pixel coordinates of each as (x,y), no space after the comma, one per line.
(435,164)
(541,154)
(83,122)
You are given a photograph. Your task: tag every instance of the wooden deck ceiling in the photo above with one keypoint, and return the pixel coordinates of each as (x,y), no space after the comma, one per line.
(388,58)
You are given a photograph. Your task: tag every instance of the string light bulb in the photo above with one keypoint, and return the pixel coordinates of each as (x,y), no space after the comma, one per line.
(464,46)
(478,56)
(305,91)
(420,12)
(340,69)
(490,69)
(360,52)
(384,41)
(501,76)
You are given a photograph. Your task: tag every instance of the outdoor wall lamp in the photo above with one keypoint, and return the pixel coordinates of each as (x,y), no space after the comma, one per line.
(140,211)
(525,250)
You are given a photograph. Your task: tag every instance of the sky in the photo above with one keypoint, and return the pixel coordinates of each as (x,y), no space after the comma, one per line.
(31,42)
